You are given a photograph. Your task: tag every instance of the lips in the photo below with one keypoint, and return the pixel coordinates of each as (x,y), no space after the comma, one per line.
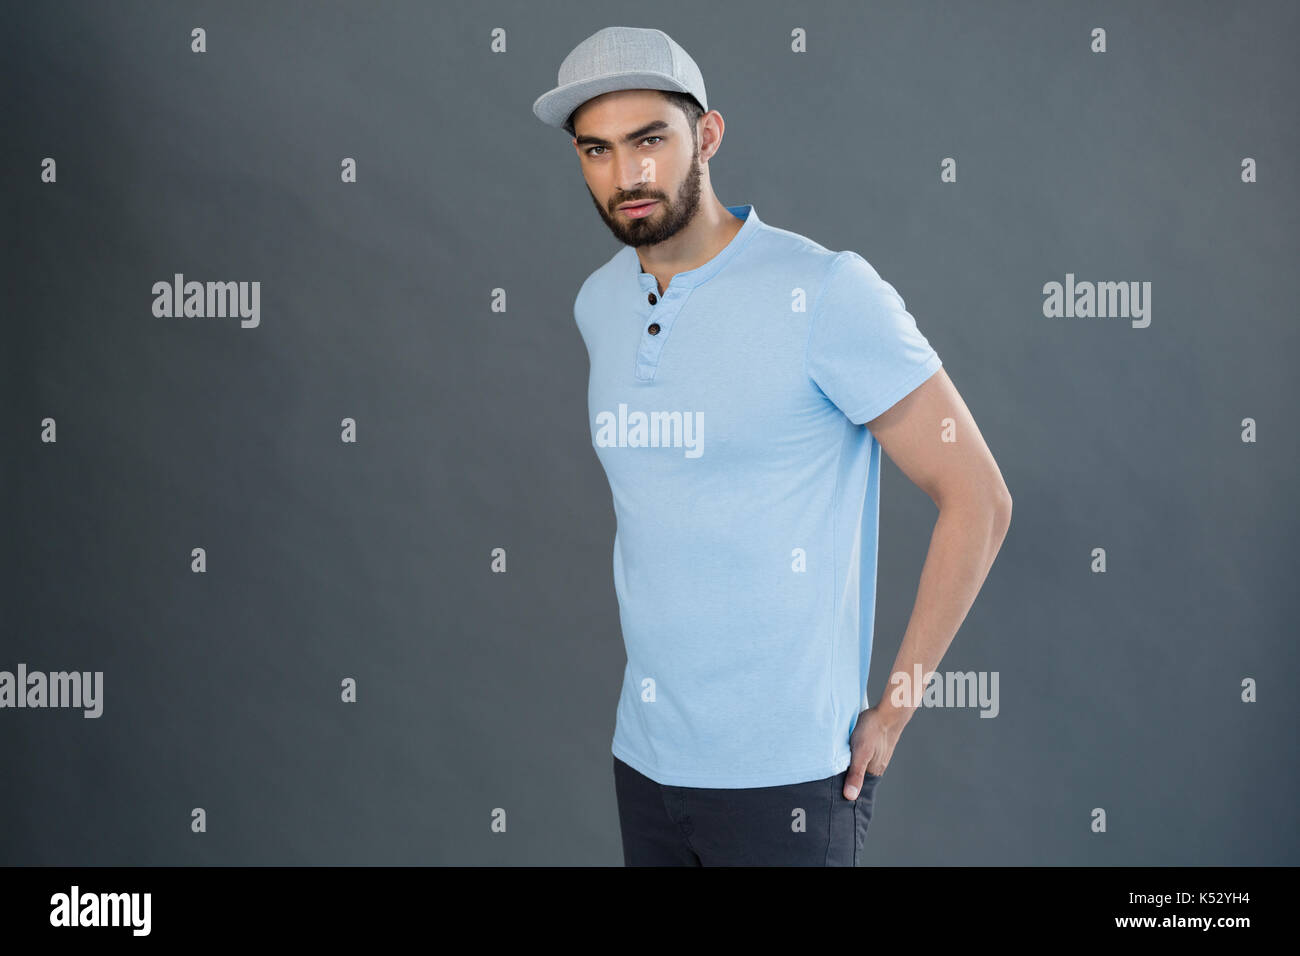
(640,208)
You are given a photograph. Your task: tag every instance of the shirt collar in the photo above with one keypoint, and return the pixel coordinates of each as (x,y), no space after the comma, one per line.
(700,274)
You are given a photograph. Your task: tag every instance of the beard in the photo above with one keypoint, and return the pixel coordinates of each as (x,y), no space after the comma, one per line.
(667,219)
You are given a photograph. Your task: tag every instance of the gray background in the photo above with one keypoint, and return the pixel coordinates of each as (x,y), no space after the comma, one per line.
(481,690)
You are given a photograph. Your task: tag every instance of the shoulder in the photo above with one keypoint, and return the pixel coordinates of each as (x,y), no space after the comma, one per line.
(783,251)
(774,245)
(606,274)
(851,280)
(599,287)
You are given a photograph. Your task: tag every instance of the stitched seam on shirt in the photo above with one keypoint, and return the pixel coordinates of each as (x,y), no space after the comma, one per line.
(913,378)
(685,297)
(817,307)
(730,258)
(758,227)
(835,592)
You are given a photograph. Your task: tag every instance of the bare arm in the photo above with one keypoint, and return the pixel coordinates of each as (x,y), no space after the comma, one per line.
(962,478)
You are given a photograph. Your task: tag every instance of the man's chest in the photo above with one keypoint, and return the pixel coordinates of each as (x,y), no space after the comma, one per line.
(686,381)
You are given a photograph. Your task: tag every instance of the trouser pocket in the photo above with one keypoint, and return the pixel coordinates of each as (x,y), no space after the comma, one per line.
(862,808)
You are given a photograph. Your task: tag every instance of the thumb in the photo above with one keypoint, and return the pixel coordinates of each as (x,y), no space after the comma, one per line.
(853,780)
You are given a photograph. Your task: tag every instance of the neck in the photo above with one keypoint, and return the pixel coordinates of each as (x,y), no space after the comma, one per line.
(708,234)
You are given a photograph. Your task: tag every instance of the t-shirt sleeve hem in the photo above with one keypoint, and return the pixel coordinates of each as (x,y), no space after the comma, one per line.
(895,393)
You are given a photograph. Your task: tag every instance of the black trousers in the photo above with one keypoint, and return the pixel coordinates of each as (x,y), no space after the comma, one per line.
(797,824)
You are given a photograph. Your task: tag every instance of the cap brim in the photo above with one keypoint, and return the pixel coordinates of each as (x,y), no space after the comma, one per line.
(554,107)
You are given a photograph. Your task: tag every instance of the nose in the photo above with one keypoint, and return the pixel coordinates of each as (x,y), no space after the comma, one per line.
(634,175)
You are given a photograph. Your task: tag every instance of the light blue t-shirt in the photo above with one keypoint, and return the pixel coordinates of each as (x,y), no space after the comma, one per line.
(728,416)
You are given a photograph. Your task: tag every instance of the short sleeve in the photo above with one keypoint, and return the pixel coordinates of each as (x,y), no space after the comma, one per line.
(864,350)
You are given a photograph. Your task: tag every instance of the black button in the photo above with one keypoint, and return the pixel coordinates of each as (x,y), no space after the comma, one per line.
(653,328)
(653,298)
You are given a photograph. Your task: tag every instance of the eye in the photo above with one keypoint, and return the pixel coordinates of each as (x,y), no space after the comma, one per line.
(658,139)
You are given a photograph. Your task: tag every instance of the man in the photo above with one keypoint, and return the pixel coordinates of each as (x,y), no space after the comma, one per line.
(743,382)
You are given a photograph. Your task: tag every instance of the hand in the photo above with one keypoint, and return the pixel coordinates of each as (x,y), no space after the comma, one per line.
(872,745)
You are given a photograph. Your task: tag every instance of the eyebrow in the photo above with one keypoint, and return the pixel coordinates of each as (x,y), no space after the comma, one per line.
(631,137)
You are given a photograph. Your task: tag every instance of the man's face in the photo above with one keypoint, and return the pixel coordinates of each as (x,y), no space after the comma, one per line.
(616,133)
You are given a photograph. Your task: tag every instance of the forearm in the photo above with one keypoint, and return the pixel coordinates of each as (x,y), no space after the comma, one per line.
(965,540)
